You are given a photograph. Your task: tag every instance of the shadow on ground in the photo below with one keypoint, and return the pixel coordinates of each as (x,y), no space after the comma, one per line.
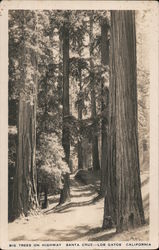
(78,233)
(62,208)
(84,194)
(21,237)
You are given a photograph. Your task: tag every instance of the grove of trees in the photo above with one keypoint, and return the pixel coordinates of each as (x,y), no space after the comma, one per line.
(73,105)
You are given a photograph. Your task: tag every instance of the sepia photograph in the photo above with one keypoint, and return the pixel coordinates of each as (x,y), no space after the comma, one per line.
(79,127)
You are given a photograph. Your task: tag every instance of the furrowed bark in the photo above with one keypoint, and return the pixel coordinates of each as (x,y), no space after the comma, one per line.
(65,193)
(25,182)
(127,197)
(104,107)
(95,151)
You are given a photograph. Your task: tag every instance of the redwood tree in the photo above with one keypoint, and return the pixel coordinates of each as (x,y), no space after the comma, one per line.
(95,151)
(65,192)
(25,193)
(104,104)
(80,156)
(123,200)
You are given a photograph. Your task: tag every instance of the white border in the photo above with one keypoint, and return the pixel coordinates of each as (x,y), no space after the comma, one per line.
(113,5)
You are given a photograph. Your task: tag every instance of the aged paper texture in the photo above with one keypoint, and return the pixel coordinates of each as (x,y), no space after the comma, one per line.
(79,125)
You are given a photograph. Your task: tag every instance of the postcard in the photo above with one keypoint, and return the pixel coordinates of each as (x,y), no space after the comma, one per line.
(79,125)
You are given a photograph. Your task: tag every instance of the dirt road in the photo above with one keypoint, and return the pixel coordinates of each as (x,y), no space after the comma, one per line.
(81,219)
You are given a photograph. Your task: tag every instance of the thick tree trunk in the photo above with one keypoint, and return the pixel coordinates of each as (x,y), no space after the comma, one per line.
(123,161)
(95,151)
(65,193)
(25,193)
(25,181)
(104,107)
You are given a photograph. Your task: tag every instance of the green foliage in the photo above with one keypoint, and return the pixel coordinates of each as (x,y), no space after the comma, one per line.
(50,162)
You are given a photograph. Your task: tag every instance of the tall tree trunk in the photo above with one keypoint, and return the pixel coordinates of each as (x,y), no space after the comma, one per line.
(104,106)
(65,193)
(25,182)
(123,205)
(80,156)
(25,193)
(95,151)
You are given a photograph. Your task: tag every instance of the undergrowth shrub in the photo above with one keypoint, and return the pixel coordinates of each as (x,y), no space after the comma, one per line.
(51,164)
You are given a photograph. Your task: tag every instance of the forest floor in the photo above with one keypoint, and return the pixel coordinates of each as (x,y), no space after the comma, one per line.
(79,220)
